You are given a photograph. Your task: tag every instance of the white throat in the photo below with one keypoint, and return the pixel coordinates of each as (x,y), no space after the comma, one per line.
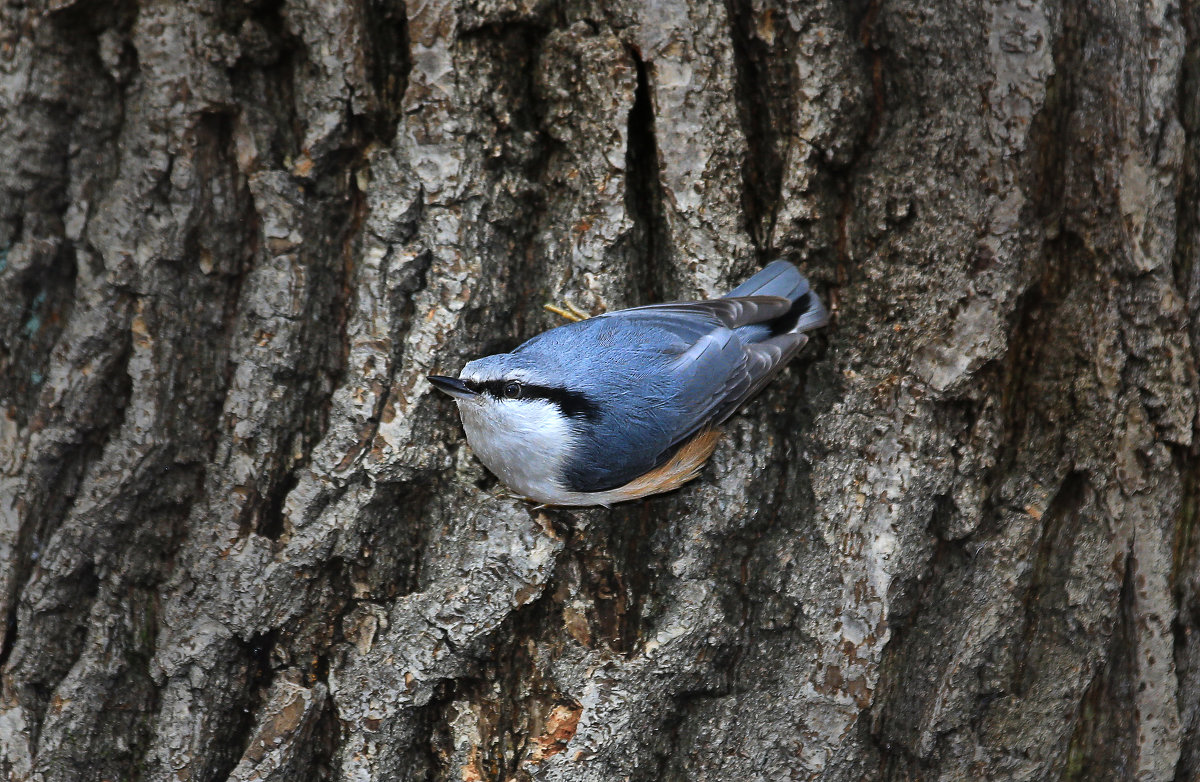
(525,443)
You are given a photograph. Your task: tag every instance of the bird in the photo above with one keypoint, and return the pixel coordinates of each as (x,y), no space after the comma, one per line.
(628,404)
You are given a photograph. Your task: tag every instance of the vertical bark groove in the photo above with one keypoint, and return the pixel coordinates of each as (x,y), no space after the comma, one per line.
(643,194)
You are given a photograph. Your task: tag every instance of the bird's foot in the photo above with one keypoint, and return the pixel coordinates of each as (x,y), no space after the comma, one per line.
(505,494)
(567,311)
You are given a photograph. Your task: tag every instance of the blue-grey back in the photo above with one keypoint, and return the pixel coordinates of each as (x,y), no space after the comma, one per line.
(626,366)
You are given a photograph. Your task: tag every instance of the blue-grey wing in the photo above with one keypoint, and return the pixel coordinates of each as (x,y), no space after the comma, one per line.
(720,372)
(691,320)
(681,367)
(713,371)
(660,389)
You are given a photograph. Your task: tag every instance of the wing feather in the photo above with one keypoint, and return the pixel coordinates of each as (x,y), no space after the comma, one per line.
(707,363)
(715,371)
(730,312)
(711,403)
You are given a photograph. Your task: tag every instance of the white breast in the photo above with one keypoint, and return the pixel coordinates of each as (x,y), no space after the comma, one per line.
(525,443)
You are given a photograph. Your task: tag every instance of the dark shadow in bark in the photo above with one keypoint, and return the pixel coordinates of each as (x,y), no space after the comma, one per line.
(874,47)
(1185,580)
(766,106)
(389,61)
(644,197)
(1104,743)
(250,672)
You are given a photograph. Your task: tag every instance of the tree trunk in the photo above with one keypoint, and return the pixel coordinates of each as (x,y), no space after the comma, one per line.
(241,538)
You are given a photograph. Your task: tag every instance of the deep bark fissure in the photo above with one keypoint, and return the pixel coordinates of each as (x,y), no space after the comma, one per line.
(906,658)
(1033,365)
(509,693)
(393,565)
(390,60)
(1101,743)
(1186,268)
(877,54)
(59,476)
(766,106)
(1045,581)
(45,679)
(270,524)
(620,562)
(529,148)
(255,672)
(643,193)
(1186,590)
(504,54)
(323,762)
(263,81)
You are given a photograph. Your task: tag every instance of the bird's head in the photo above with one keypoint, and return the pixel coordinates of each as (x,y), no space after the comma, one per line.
(510,394)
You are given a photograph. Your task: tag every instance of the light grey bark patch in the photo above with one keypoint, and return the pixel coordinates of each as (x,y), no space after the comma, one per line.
(400,657)
(698,138)
(589,86)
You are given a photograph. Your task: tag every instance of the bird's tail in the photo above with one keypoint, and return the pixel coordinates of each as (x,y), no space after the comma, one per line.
(781,278)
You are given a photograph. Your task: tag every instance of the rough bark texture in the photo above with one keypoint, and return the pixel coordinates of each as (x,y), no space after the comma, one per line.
(241,538)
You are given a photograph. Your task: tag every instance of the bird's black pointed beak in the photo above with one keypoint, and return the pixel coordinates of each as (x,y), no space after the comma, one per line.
(452,386)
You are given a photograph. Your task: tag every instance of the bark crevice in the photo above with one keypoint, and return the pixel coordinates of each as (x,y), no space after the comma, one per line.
(644,194)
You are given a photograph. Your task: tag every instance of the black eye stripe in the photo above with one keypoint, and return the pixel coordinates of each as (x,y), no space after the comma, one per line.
(573,403)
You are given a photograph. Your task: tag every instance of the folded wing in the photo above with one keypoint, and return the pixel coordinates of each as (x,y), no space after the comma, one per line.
(717,371)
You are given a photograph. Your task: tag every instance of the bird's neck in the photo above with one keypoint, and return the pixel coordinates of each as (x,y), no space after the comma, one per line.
(525,444)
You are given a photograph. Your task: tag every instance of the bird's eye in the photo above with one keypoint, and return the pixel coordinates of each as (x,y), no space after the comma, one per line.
(512,390)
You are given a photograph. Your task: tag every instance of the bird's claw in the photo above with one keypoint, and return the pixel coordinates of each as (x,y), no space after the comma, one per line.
(567,311)
(504,494)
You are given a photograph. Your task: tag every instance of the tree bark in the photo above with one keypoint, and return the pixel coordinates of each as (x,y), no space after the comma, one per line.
(242,539)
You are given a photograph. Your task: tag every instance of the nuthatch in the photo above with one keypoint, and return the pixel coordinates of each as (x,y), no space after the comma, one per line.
(625,404)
